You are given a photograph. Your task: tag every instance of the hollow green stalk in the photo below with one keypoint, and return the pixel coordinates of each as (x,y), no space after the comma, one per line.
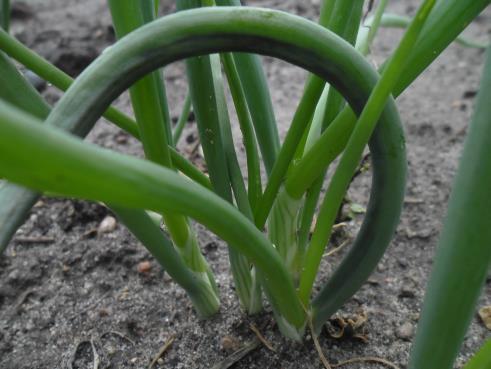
(446,22)
(253,162)
(152,116)
(183,118)
(373,26)
(390,20)
(15,200)
(463,255)
(5,14)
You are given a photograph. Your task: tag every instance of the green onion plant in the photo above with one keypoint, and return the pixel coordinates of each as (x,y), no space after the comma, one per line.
(263,212)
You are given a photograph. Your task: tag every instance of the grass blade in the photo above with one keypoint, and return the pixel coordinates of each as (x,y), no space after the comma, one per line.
(463,255)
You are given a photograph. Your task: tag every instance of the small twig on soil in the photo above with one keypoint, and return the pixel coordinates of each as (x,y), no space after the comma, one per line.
(23,297)
(367,359)
(238,355)
(413,200)
(90,306)
(162,351)
(333,251)
(119,334)
(317,345)
(39,239)
(97,359)
(261,338)
(339,225)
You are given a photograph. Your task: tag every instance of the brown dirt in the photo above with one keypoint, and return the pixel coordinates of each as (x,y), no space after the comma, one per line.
(57,296)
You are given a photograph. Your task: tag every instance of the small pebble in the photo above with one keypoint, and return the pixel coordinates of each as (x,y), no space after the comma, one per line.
(407,292)
(144,267)
(485,315)
(230,343)
(107,225)
(104,312)
(405,331)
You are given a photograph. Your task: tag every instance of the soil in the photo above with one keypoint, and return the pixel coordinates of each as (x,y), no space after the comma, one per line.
(64,287)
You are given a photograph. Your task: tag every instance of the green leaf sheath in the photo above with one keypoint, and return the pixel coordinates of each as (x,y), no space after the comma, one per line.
(5,14)
(463,254)
(482,359)
(201,293)
(372,28)
(258,98)
(65,165)
(355,267)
